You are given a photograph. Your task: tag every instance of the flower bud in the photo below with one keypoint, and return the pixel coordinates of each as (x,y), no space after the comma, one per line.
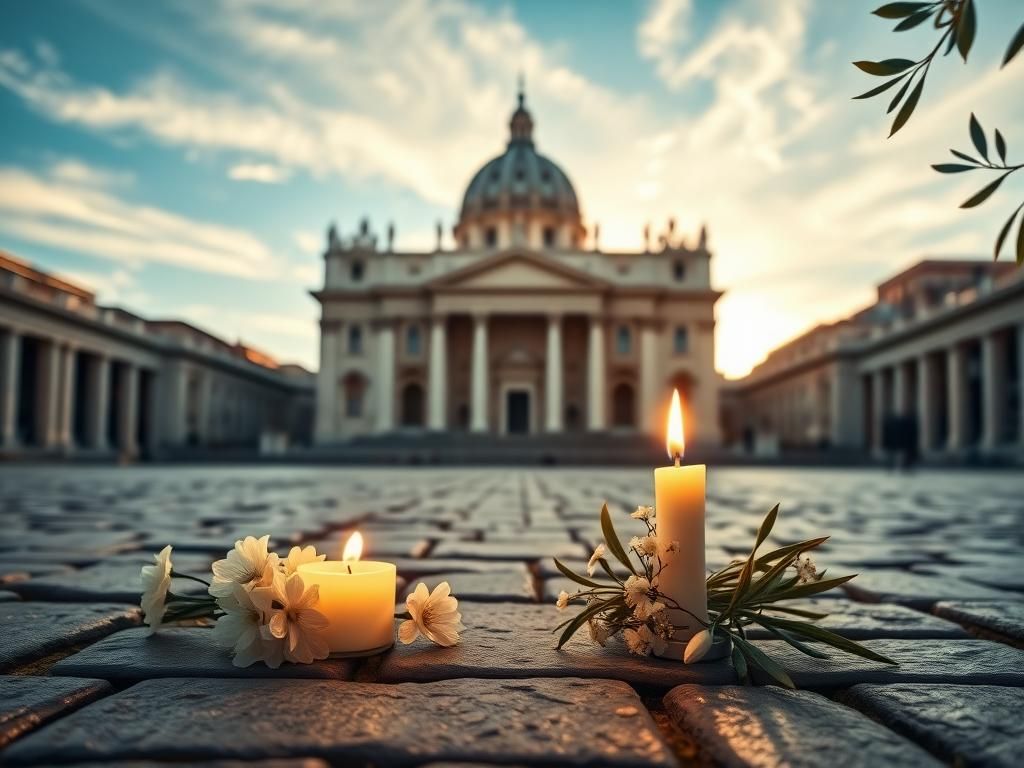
(698,646)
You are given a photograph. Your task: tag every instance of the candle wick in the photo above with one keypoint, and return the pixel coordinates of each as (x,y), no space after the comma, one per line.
(349,568)
(677,459)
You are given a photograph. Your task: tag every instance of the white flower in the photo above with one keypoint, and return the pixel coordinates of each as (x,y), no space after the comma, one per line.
(599,631)
(806,569)
(248,564)
(697,647)
(300,556)
(599,551)
(672,547)
(291,617)
(645,545)
(645,610)
(239,629)
(642,513)
(435,615)
(637,592)
(156,580)
(563,600)
(642,641)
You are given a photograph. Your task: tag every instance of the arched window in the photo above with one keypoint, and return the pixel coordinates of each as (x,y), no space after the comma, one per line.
(356,271)
(623,341)
(623,406)
(491,237)
(355,340)
(354,389)
(549,237)
(681,340)
(412,405)
(679,271)
(413,343)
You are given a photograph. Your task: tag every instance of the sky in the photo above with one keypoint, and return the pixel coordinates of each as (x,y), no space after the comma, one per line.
(184,159)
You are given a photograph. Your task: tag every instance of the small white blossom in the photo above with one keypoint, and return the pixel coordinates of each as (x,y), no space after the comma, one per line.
(248,564)
(642,513)
(645,545)
(599,551)
(806,569)
(646,610)
(300,556)
(642,641)
(435,615)
(563,600)
(292,617)
(240,629)
(637,593)
(698,646)
(599,631)
(156,581)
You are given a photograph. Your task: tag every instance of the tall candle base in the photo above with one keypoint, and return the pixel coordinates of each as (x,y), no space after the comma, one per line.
(720,649)
(361,654)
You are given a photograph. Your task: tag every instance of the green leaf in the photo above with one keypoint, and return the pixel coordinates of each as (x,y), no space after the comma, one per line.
(978,137)
(908,107)
(898,97)
(1020,243)
(966,28)
(952,168)
(980,197)
(831,638)
(739,662)
(774,574)
(612,540)
(962,156)
(569,574)
(796,611)
(914,20)
(1015,45)
(764,662)
(884,68)
(581,619)
(1000,145)
(802,647)
(748,568)
(880,88)
(1005,231)
(898,10)
(812,588)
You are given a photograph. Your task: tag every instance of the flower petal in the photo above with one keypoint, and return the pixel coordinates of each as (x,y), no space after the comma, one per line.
(408,631)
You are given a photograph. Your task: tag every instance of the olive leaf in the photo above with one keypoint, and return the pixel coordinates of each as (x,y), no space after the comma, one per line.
(1015,45)
(966,27)
(884,68)
(978,137)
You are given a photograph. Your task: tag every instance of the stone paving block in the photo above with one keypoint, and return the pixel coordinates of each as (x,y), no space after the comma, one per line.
(413,567)
(537,722)
(1003,618)
(862,621)
(504,640)
(19,571)
(964,662)
(33,630)
(133,655)
(740,726)
(506,551)
(492,587)
(113,582)
(919,590)
(999,573)
(297,762)
(29,702)
(6,597)
(968,725)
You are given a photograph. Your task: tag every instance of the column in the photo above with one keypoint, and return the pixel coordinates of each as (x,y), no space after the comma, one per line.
(128,411)
(877,411)
(99,399)
(437,375)
(67,396)
(925,407)
(992,378)
(478,418)
(385,377)
(648,378)
(553,365)
(49,391)
(326,384)
(10,371)
(955,397)
(596,375)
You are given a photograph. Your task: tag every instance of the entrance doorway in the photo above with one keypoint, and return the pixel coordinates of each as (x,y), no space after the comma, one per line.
(517,408)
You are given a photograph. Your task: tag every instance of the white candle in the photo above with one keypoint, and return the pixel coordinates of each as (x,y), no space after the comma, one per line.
(679,506)
(358,599)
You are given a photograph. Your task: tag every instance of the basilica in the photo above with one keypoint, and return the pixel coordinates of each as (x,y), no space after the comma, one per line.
(525,326)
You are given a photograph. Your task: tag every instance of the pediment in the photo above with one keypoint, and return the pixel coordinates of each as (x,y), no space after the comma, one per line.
(517,271)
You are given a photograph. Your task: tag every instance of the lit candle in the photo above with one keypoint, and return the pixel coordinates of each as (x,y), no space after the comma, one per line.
(679,506)
(358,599)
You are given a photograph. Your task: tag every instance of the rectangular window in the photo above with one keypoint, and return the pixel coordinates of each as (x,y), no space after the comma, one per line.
(412,341)
(623,341)
(355,340)
(681,340)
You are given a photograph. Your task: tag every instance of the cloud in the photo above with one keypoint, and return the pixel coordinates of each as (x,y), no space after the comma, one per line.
(72,207)
(264,173)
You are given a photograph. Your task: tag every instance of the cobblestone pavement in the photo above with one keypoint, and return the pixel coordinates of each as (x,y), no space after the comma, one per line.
(941,590)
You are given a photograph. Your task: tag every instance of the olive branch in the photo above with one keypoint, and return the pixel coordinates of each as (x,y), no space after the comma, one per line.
(741,594)
(956,22)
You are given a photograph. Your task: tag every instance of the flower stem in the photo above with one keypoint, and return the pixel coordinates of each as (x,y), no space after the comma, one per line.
(179,575)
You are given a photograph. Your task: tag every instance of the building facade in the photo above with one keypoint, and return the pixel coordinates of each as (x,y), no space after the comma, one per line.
(77,378)
(524,327)
(943,347)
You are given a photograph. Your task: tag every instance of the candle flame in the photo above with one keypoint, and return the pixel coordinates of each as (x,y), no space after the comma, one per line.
(675,442)
(353,547)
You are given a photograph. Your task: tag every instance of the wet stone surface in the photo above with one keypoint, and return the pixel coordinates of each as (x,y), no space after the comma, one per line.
(28,702)
(937,552)
(965,725)
(739,726)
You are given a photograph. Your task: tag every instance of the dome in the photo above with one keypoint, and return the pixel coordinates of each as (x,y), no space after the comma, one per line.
(520,189)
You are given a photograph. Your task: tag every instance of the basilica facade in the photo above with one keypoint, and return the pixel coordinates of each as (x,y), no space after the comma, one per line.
(525,326)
